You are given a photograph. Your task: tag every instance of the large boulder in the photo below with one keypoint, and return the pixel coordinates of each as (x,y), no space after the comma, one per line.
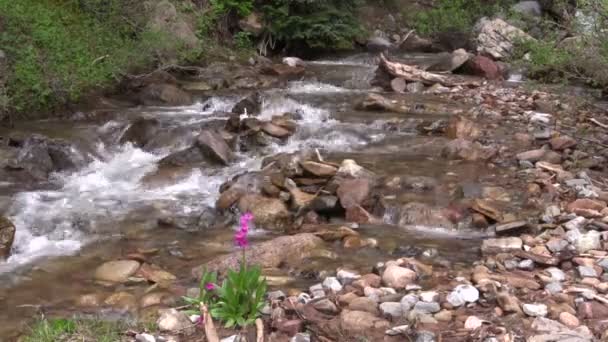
(213,145)
(484,67)
(7,235)
(269,213)
(164,94)
(496,38)
(267,254)
(38,156)
(141,131)
(250,104)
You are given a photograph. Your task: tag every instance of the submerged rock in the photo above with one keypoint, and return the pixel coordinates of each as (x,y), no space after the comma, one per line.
(269,213)
(117,271)
(7,236)
(141,131)
(266,254)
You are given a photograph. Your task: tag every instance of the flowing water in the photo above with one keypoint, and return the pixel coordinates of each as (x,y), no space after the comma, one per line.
(75,221)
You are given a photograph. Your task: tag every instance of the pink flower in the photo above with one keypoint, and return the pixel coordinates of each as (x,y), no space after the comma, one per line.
(200,320)
(240,238)
(210,286)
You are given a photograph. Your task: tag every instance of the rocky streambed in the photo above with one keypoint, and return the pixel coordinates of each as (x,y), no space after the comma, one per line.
(444,213)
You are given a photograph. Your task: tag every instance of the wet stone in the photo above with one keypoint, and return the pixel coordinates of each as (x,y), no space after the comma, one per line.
(535,310)
(426,307)
(586,271)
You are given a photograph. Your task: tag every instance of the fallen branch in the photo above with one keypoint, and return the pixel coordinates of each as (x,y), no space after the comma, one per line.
(414,74)
(603,125)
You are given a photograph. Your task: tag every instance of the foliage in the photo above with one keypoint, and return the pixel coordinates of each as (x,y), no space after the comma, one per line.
(60,50)
(243,40)
(452,15)
(206,296)
(64,330)
(314,23)
(582,57)
(241,7)
(241,297)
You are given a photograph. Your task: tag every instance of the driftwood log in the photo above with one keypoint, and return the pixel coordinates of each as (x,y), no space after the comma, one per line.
(412,73)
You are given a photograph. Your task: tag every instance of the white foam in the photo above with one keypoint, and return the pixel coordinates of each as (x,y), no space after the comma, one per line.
(302,87)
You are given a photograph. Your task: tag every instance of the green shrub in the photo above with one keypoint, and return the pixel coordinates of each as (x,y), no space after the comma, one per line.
(316,24)
(66,330)
(62,49)
(452,15)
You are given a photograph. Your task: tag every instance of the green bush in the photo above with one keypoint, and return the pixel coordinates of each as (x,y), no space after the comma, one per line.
(318,24)
(62,49)
(452,15)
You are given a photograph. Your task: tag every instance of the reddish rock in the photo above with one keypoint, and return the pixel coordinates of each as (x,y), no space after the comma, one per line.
(586,207)
(398,277)
(364,304)
(370,279)
(357,214)
(290,327)
(484,67)
(562,142)
(592,310)
(353,192)
(361,322)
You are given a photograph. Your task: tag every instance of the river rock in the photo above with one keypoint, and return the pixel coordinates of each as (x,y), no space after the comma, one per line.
(251,105)
(275,130)
(38,156)
(361,322)
(319,169)
(586,207)
(496,38)
(535,310)
(214,146)
(460,127)
(7,236)
(569,320)
(398,277)
(463,294)
(353,192)
(326,306)
(467,150)
(426,307)
(364,304)
(483,66)
(420,214)
(141,131)
(450,61)
(391,310)
(117,271)
(122,301)
(268,254)
(332,284)
(174,321)
(562,142)
(144,338)
(588,241)
(164,94)
(502,245)
(398,85)
(269,213)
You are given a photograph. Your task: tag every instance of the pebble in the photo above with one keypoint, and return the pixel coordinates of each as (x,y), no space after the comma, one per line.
(503,245)
(391,309)
(426,307)
(554,287)
(586,271)
(473,323)
(317,291)
(332,284)
(398,277)
(172,320)
(276,295)
(569,320)
(300,337)
(425,336)
(577,223)
(535,310)
(398,330)
(588,241)
(527,265)
(444,316)
(347,277)
(408,302)
(557,245)
(144,338)
(603,263)
(463,294)
(429,296)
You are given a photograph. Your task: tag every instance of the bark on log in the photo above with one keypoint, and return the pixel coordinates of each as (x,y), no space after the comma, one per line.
(414,74)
